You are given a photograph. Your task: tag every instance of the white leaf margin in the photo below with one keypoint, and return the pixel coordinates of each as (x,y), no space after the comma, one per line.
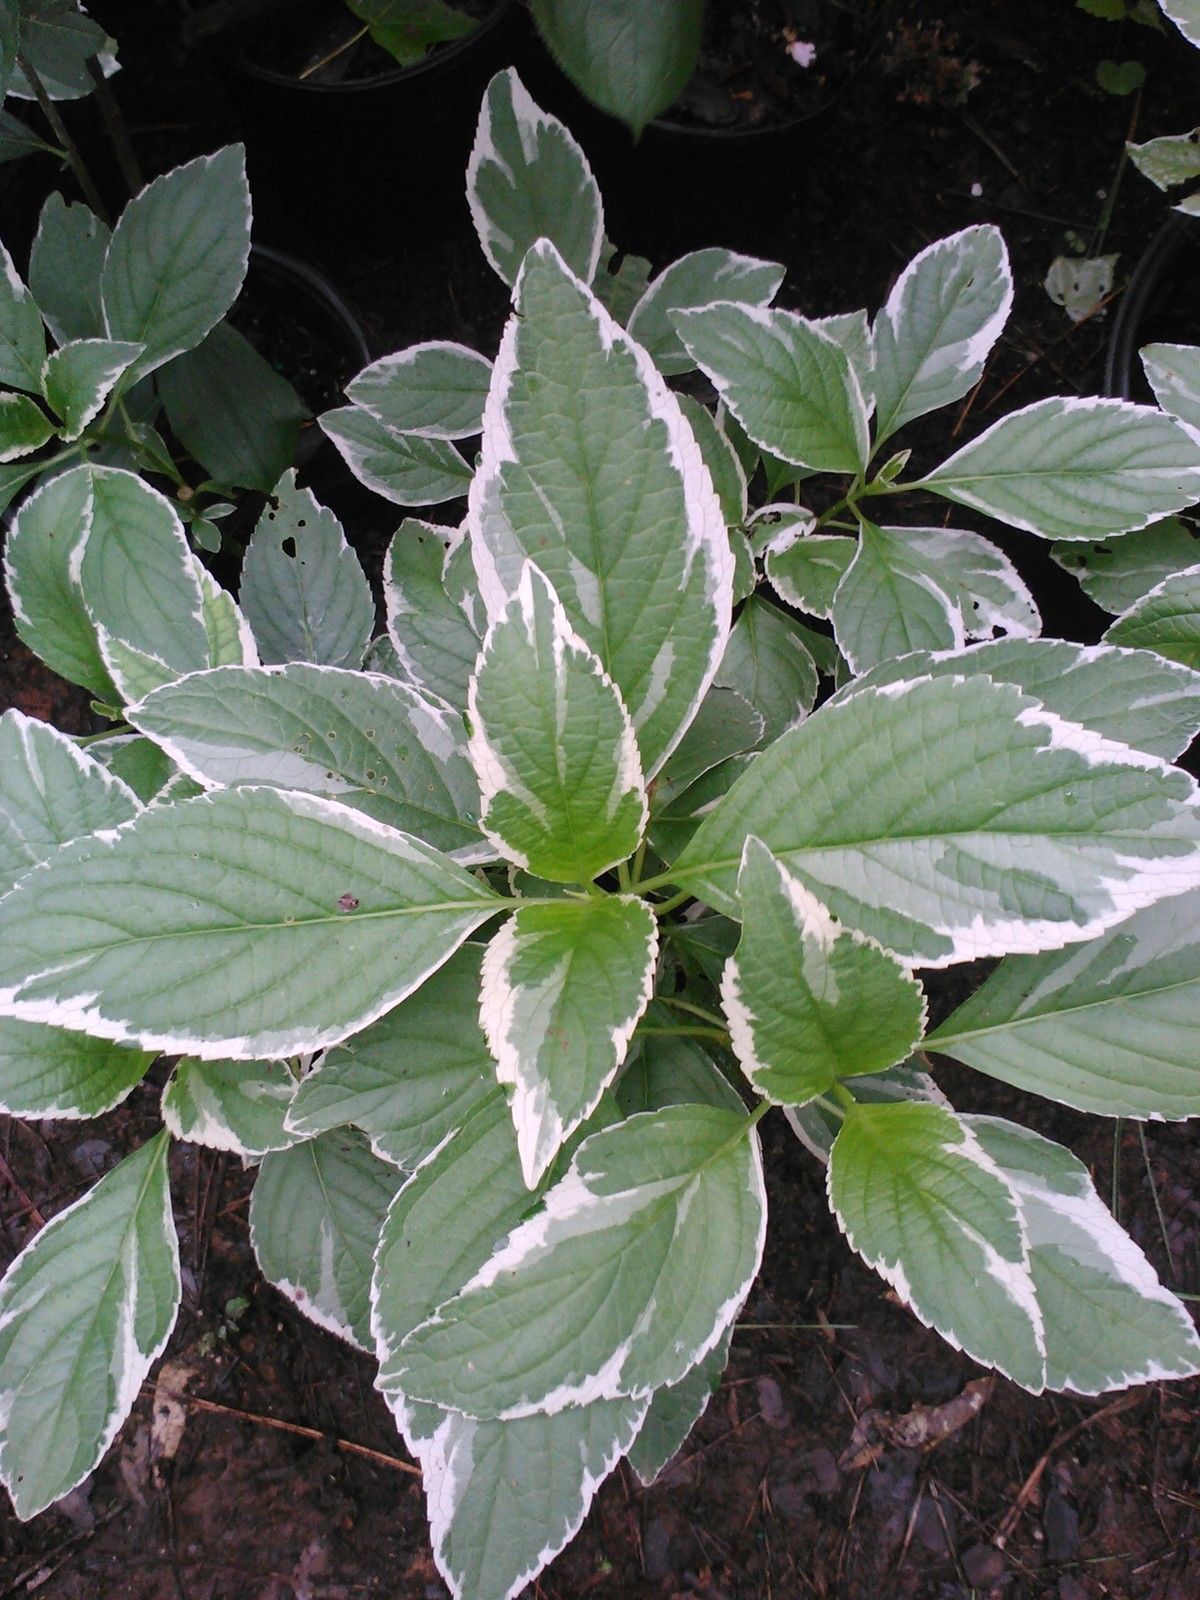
(1016,1284)
(81,1013)
(707,538)
(494,773)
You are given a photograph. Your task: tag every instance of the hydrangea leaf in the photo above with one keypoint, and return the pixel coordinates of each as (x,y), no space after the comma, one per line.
(41,569)
(85,1309)
(697,279)
(922,1202)
(564,986)
(590,471)
(628,59)
(630,1275)
(50,1072)
(809,1002)
(302,590)
(1174,158)
(787,382)
(315,1217)
(231,410)
(24,426)
(723,466)
(410,1079)
(816,1125)
(1185,14)
(230,642)
(768,662)
(177,258)
(1173,371)
(1109,1026)
(1117,572)
(79,377)
(1089,1276)
(939,325)
(725,725)
(368,741)
(504,1497)
(805,568)
(889,603)
(406,468)
(22,337)
(51,791)
(951,818)
(1075,469)
(991,596)
(1166,620)
(527,179)
(435,640)
(65,263)
(553,745)
(230,1105)
(1130,696)
(436,389)
(245,923)
(674,1412)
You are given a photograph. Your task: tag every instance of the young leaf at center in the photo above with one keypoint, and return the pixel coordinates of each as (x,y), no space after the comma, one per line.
(808,1002)
(590,471)
(564,986)
(553,746)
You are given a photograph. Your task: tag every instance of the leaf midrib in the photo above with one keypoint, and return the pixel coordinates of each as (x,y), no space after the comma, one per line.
(938,1039)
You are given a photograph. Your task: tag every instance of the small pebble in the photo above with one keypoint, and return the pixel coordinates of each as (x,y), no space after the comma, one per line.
(983,1565)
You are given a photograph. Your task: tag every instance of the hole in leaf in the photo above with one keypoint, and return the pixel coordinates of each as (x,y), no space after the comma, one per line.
(288,546)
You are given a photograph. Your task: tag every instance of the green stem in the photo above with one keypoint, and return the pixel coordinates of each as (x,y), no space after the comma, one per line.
(639,861)
(655,1031)
(758,1114)
(694,1011)
(623,877)
(664,907)
(74,160)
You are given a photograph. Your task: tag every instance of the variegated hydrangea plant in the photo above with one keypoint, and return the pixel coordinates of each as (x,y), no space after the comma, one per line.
(490,940)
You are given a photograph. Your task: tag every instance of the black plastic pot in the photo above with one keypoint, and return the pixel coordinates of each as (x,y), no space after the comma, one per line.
(1160,305)
(300,322)
(681,186)
(373,160)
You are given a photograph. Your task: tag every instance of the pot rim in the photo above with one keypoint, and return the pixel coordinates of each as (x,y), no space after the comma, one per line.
(433,65)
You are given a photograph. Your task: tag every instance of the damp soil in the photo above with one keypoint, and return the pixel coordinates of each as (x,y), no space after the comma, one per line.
(288,1481)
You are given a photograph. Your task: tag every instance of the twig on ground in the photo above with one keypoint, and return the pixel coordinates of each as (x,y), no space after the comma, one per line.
(298,1428)
(1029,1488)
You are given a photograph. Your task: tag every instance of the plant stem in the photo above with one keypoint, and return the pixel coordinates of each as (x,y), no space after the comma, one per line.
(345,45)
(676,900)
(118,133)
(639,861)
(76,162)
(694,1011)
(718,1034)
(623,877)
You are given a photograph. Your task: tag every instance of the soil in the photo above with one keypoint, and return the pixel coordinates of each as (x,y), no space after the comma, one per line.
(797,1481)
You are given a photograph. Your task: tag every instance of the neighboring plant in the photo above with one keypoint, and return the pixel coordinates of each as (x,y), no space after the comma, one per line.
(629,58)
(1150,581)
(137,320)
(493,939)
(50,51)
(406,29)
(1173,161)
